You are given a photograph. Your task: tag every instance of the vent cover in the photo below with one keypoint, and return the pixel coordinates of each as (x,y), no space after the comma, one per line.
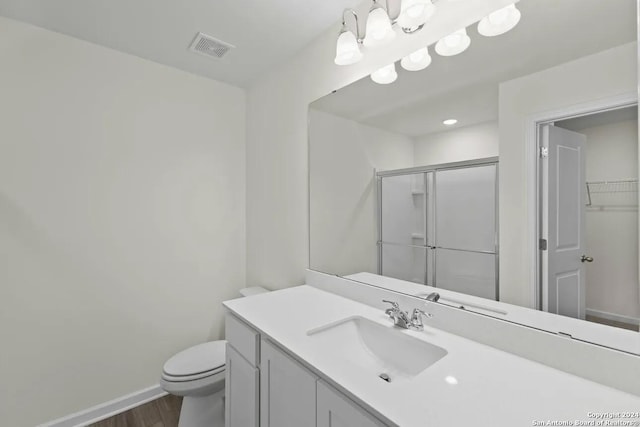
(209,46)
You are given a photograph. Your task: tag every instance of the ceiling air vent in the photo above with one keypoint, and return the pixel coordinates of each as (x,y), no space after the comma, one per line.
(209,46)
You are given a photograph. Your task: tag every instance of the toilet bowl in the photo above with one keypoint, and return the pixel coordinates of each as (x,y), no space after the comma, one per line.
(198,374)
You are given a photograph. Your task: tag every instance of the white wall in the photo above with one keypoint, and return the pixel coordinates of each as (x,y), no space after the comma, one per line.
(277,134)
(612,234)
(605,74)
(343,157)
(457,145)
(122,224)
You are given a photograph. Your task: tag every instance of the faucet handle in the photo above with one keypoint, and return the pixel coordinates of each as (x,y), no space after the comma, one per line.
(417,312)
(416,319)
(433,297)
(394,304)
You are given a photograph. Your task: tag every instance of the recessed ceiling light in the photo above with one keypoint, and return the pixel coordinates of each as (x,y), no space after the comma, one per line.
(450,122)
(451,380)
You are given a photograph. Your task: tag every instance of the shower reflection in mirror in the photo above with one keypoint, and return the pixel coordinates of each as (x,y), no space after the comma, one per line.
(513,179)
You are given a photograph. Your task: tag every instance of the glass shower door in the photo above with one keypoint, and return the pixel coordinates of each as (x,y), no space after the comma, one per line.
(402,229)
(466,230)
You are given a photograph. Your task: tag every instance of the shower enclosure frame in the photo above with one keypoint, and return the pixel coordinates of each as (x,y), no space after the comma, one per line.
(487,161)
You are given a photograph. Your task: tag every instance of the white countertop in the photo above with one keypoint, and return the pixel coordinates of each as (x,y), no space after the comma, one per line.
(618,338)
(494,388)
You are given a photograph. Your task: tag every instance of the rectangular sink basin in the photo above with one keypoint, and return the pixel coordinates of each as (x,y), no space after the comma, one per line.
(380,350)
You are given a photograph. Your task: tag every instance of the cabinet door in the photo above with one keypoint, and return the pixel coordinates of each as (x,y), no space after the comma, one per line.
(336,410)
(287,390)
(241,390)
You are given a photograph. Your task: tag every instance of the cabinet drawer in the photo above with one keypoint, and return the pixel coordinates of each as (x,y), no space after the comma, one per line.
(244,339)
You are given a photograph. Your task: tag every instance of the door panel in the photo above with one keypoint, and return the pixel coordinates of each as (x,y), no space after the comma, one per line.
(287,390)
(471,273)
(403,209)
(404,262)
(567,287)
(465,203)
(241,390)
(336,410)
(569,186)
(563,200)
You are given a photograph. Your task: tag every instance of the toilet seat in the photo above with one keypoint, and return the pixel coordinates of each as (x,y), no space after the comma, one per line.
(187,378)
(195,363)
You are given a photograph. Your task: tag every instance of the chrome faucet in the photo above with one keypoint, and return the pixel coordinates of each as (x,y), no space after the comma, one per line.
(401,318)
(433,297)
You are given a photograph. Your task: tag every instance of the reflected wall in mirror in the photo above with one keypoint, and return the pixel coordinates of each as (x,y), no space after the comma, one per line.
(422,179)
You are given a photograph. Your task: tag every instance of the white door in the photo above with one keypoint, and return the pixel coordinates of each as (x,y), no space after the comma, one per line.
(287,390)
(563,198)
(241,390)
(336,410)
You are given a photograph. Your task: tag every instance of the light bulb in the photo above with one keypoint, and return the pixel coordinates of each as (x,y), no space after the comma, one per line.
(449,122)
(454,43)
(415,10)
(498,17)
(415,13)
(453,40)
(379,31)
(347,49)
(500,21)
(416,61)
(385,75)
(416,56)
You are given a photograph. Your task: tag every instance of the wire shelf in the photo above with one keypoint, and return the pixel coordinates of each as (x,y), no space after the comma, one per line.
(622,193)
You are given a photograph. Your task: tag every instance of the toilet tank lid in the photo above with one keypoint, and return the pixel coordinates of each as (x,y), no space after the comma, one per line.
(198,359)
(254,290)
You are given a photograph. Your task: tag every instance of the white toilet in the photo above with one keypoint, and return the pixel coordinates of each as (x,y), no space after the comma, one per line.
(198,374)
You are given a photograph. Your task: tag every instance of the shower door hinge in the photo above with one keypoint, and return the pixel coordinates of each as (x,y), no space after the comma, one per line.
(544,152)
(543,244)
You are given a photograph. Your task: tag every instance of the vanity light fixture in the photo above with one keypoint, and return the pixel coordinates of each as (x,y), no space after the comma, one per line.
(414,14)
(453,44)
(450,122)
(347,48)
(385,75)
(500,21)
(378,31)
(416,61)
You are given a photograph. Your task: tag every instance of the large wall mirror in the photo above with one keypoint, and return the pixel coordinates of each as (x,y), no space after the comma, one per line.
(506,174)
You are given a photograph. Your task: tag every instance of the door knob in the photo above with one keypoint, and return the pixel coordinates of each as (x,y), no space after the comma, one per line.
(585,258)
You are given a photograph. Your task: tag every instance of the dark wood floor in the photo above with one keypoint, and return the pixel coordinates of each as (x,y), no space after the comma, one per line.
(163,412)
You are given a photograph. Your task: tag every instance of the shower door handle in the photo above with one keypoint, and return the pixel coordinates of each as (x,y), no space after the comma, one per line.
(585,258)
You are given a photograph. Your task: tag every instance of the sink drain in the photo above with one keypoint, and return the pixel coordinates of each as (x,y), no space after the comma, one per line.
(385,377)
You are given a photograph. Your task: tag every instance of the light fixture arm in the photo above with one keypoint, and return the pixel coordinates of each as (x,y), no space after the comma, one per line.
(344,24)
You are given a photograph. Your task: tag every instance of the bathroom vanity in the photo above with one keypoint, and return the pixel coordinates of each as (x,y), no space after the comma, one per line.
(305,357)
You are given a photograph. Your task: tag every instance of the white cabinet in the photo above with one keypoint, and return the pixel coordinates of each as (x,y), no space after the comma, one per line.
(287,390)
(266,387)
(336,410)
(241,390)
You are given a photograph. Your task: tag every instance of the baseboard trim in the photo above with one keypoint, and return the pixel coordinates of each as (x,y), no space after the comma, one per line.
(613,316)
(108,409)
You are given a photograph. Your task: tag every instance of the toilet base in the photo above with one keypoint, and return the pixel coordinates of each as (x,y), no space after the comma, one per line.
(202,411)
